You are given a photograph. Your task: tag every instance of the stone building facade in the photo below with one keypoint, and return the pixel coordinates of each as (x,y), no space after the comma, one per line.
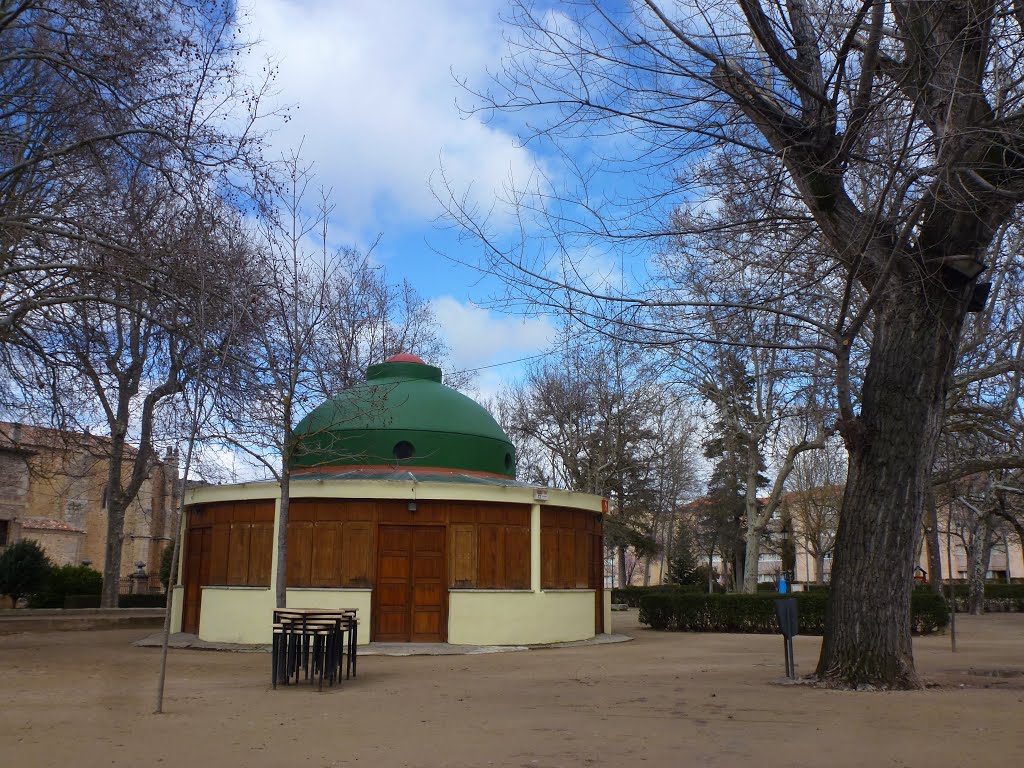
(53,490)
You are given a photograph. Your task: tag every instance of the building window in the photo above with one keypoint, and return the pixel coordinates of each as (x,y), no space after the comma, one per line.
(4,532)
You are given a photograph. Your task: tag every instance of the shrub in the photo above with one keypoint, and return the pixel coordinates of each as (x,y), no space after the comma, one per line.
(24,568)
(631,595)
(929,612)
(66,580)
(999,598)
(1004,597)
(158,600)
(816,588)
(691,612)
(82,601)
(165,564)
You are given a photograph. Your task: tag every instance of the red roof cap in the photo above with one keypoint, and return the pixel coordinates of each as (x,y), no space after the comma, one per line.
(404,357)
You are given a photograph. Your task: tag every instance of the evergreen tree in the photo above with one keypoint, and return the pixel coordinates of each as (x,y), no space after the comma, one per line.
(24,568)
(684,567)
(739,461)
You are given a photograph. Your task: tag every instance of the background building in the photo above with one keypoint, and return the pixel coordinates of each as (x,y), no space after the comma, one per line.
(53,490)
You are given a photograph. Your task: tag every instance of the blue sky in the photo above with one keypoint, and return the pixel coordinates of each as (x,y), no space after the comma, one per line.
(373,94)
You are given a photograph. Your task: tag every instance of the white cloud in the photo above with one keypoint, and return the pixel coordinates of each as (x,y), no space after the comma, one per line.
(479,337)
(374,84)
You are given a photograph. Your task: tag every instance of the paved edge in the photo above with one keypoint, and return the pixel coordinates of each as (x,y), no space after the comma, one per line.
(181,640)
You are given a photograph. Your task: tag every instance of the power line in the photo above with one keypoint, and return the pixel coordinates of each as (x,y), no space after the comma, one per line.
(507,362)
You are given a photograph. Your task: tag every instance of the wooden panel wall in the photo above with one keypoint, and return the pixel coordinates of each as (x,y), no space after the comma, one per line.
(330,543)
(488,546)
(571,549)
(240,535)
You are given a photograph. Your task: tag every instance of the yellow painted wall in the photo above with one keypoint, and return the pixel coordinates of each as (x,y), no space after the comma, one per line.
(237,615)
(608,612)
(178,596)
(519,618)
(244,615)
(390,489)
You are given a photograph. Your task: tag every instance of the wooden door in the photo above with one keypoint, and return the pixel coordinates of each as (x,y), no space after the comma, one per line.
(411,592)
(198,550)
(429,588)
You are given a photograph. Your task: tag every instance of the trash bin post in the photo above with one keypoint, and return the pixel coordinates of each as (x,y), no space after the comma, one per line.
(785,612)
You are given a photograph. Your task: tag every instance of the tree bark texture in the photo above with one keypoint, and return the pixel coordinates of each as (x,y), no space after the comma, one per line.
(620,558)
(111,592)
(891,445)
(751,561)
(819,564)
(978,564)
(281,577)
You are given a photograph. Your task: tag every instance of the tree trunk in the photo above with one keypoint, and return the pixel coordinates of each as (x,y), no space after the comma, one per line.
(977,565)
(751,559)
(752,538)
(281,581)
(670,549)
(891,445)
(620,559)
(115,505)
(819,564)
(112,554)
(739,559)
(931,539)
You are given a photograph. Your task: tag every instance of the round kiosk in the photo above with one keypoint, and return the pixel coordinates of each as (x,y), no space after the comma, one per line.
(404,505)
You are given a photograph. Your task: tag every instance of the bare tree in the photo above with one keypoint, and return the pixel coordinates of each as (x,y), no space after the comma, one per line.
(317,317)
(114,361)
(288,315)
(590,419)
(813,500)
(374,318)
(895,129)
(105,84)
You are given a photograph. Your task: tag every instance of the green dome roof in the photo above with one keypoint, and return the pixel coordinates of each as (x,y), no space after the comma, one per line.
(403,416)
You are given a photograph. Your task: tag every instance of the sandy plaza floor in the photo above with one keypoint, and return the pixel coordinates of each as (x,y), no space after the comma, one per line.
(664,699)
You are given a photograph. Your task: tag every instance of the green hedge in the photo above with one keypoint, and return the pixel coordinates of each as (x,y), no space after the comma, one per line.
(631,595)
(1003,597)
(81,601)
(66,580)
(929,613)
(158,600)
(689,612)
(999,598)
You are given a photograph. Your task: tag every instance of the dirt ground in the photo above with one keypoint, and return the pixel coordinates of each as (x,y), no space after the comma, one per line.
(85,699)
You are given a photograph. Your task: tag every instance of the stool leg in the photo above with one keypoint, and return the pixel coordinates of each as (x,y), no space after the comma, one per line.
(274,644)
(354,647)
